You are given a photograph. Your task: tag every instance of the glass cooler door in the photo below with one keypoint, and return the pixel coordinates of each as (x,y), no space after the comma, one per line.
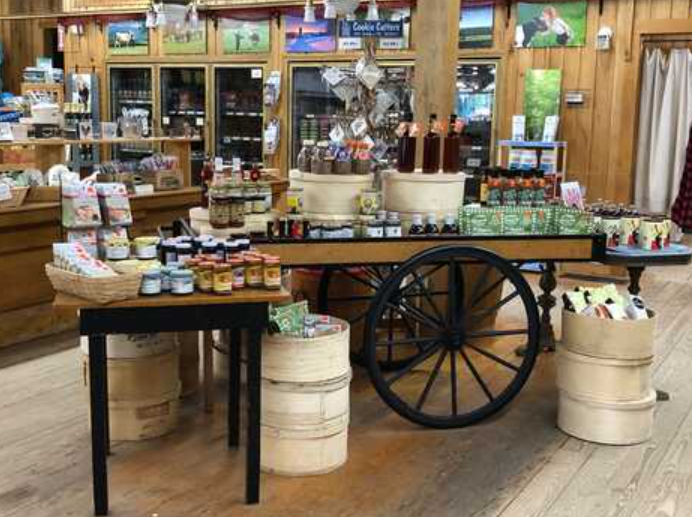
(239,113)
(315,110)
(476,87)
(131,91)
(183,109)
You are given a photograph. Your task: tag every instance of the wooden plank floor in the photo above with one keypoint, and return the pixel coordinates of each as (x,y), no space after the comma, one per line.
(516,465)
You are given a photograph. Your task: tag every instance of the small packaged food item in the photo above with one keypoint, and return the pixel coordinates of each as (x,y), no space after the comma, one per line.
(223,279)
(115,204)
(254,272)
(80,206)
(182,282)
(636,308)
(117,248)
(146,248)
(74,257)
(205,276)
(151,283)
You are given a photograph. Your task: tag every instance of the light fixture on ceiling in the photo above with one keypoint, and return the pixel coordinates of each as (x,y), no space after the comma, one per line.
(373,12)
(309,16)
(329,10)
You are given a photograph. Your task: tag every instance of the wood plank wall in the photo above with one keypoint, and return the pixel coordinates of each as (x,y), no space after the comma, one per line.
(22,40)
(601,133)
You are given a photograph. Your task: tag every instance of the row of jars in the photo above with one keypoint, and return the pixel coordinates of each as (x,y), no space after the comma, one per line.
(228,205)
(325,158)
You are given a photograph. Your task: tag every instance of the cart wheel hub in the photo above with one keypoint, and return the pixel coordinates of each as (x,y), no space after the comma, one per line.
(454,339)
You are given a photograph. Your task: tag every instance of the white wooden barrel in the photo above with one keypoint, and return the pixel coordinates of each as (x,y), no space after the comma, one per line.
(609,338)
(143,419)
(131,346)
(305,450)
(418,193)
(612,423)
(304,405)
(603,379)
(331,194)
(291,359)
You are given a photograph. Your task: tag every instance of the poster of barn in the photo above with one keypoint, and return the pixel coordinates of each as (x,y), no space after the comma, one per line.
(128,38)
(181,33)
(240,37)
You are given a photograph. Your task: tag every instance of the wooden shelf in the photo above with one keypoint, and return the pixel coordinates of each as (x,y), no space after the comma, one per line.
(8,167)
(100,141)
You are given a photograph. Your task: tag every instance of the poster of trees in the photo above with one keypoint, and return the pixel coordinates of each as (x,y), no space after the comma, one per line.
(542,91)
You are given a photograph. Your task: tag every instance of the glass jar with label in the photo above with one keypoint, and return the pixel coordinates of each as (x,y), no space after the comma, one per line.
(151,282)
(369,202)
(237,208)
(417,227)
(169,254)
(272,273)
(223,279)
(146,248)
(259,204)
(182,282)
(305,156)
(219,209)
(392,228)
(184,252)
(294,201)
(375,230)
(205,275)
(238,270)
(254,272)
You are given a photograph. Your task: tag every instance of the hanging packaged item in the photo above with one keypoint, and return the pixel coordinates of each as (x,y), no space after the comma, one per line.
(115,204)
(80,206)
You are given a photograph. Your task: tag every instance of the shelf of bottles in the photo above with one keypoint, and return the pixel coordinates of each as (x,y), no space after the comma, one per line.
(316,110)
(183,109)
(475,104)
(132,97)
(239,114)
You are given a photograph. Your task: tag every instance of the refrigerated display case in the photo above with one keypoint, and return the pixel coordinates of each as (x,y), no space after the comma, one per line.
(239,113)
(315,110)
(132,94)
(184,109)
(476,104)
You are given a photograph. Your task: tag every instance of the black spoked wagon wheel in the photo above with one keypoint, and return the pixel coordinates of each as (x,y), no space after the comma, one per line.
(348,292)
(465,368)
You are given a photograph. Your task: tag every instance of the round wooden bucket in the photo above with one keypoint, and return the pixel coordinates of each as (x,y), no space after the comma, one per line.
(408,194)
(331,194)
(603,379)
(293,359)
(611,423)
(304,405)
(143,419)
(305,451)
(609,338)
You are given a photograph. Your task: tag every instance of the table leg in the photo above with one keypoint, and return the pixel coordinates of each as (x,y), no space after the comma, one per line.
(254,371)
(635,277)
(547,302)
(234,347)
(208,367)
(98,392)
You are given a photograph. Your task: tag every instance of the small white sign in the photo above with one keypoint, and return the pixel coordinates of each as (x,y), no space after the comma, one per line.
(166,121)
(256,73)
(5,192)
(144,190)
(199,121)
(218,164)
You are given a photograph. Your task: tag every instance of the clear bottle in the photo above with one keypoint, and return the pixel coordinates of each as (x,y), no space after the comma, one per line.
(451,163)
(431,148)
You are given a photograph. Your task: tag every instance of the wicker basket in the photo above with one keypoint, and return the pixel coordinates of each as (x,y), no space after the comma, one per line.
(18,196)
(99,290)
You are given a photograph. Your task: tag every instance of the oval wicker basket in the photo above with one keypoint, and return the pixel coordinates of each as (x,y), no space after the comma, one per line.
(99,290)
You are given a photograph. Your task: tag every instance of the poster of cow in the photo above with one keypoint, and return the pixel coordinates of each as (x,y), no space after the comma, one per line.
(128,38)
(241,36)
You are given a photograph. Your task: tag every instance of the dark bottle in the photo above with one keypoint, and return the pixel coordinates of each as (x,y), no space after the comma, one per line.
(431,148)
(431,227)
(450,227)
(451,161)
(417,227)
(406,153)
(206,177)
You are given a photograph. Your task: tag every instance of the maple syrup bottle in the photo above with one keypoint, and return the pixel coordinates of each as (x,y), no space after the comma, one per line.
(406,153)
(431,148)
(451,159)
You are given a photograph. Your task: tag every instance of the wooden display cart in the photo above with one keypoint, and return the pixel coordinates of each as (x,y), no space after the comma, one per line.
(424,300)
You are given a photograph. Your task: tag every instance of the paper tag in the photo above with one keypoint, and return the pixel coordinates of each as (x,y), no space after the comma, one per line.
(256,73)
(218,164)
(144,190)
(166,121)
(199,121)
(333,75)
(359,127)
(337,134)
(5,192)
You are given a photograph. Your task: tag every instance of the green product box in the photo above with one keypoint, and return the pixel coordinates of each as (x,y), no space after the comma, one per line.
(544,220)
(518,221)
(483,221)
(571,221)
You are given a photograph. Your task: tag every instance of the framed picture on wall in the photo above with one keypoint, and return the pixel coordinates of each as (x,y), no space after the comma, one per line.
(542,92)
(318,36)
(348,42)
(128,38)
(476,27)
(551,24)
(180,35)
(245,37)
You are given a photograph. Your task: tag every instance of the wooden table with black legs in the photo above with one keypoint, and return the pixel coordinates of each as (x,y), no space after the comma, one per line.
(244,310)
